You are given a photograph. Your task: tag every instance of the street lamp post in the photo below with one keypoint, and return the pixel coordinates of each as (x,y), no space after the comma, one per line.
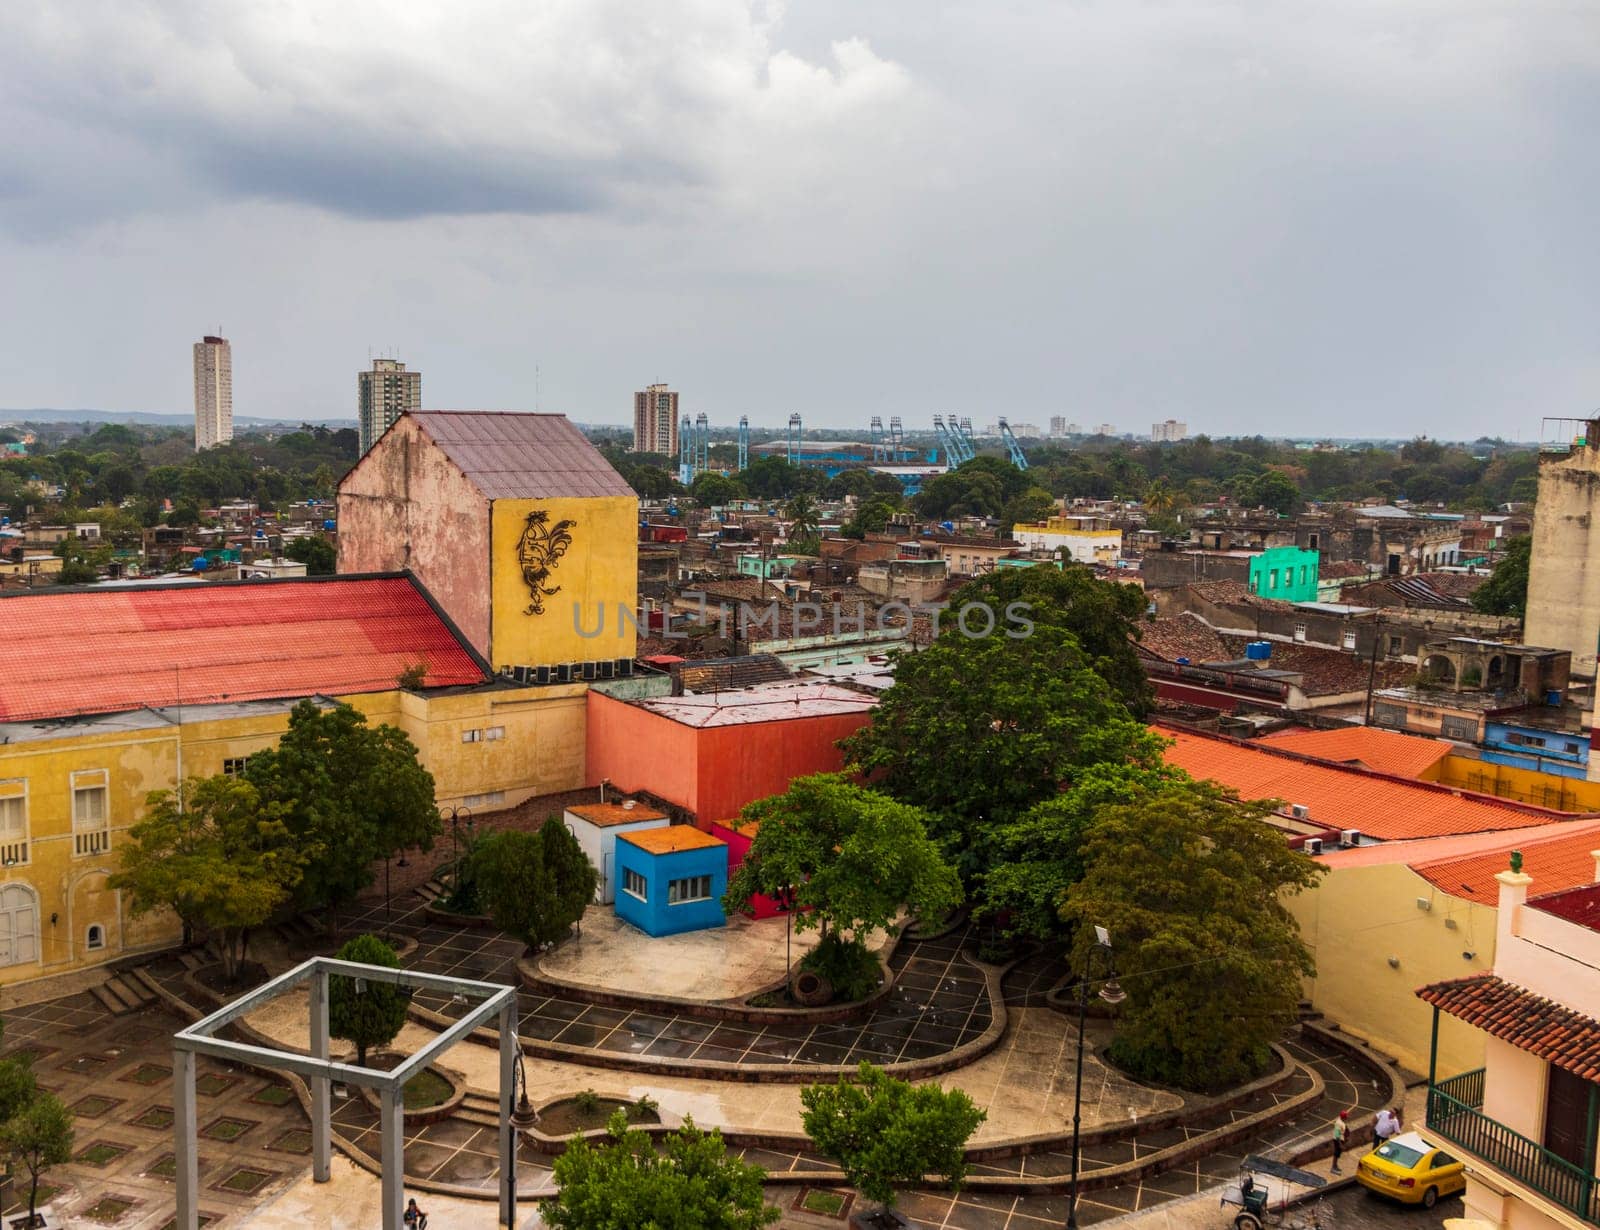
(1111,993)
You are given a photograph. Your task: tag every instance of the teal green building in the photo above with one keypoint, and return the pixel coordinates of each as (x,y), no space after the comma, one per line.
(1286,573)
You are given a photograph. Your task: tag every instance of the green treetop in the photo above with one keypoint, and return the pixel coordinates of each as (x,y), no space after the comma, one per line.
(886,1133)
(1191,884)
(690,1183)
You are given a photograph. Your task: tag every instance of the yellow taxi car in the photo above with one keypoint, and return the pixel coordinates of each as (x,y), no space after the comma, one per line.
(1408,1169)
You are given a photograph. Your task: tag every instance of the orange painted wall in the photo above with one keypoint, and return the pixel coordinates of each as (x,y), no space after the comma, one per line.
(638,750)
(739,764)
(711,772)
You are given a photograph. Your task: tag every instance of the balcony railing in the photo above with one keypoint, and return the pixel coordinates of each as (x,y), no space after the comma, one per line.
(1458,1120)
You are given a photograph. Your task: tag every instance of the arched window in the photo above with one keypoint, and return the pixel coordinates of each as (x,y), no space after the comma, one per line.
(96,937)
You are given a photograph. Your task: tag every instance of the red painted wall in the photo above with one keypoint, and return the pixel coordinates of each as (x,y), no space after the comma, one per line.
(761,906)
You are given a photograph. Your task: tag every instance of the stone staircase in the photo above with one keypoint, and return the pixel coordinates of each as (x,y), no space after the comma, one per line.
(433,890)
(126,992)
(304,930)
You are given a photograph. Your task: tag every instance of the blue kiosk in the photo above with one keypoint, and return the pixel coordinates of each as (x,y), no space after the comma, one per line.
(670,879)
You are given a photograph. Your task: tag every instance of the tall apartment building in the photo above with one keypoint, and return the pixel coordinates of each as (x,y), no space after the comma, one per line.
(1058,425)
(213,392)
(384,394)
(655,421)
(1169,432)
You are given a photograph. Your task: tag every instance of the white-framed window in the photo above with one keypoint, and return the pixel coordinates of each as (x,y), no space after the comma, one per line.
(91,812)
(14,822)
(693,888)
(234,766)
(1349,640)
(471,736)
(1300,632)
(1272,578)
(492,798)
(95,937)
(634,884)
(494,733)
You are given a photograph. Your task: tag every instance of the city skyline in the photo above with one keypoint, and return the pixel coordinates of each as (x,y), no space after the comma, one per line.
(1255,220)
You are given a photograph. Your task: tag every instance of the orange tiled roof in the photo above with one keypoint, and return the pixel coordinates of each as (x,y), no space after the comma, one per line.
(672,839)
(108,650)
(1365,746)
(1555,863)
(1341,797)
(1529,1022)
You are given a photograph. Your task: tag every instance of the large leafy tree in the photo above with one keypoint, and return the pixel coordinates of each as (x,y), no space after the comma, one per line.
(848,857)
(316,553)
(690,1183)
(1506,590)
(376,1013)
(220,857)
(886,1133)
(1103,615)
(975,731)
(39,1134)
(1191,884)
(356,792)
(1040,855)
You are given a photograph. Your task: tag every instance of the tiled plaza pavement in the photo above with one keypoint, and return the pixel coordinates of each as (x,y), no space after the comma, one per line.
(115,1074)
(452,1151)
(939,1002)
(1348,1086)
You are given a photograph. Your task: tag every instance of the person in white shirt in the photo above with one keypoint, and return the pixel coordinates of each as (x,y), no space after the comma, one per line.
(1388,1125)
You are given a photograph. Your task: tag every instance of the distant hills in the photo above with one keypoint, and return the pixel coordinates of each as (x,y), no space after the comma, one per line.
(148,418)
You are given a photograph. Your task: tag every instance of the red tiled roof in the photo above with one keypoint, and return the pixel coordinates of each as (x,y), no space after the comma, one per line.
(1234,593)
(107,650)
(1555,863)
(1340,569)
(1341,797)
(1365,746)
(1183,636)
(1326,672)
(512,455)
(1529,1022)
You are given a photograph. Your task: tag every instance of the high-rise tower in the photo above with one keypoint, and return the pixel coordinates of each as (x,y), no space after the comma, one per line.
(213,392)
(655,421)
(384,394)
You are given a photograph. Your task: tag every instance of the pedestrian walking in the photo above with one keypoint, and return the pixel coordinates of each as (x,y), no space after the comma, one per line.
(1387,1125)
(1341,1135)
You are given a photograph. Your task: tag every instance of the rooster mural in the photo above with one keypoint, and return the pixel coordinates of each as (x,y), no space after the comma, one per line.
(539,550)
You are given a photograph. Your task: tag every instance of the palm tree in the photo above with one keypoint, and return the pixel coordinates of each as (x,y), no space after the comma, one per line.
(803,517)
(1158,497)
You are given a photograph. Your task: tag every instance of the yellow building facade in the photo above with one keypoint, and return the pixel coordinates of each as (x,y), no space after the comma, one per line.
(69,792)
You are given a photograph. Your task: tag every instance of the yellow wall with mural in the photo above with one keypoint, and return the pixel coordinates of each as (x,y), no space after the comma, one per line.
(598,573)
(487,747)
(1355,921)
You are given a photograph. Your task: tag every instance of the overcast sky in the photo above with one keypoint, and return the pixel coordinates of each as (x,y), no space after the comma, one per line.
(1336,217)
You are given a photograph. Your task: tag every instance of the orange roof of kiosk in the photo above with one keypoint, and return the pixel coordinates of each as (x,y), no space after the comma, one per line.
(671,840)
(1364,746)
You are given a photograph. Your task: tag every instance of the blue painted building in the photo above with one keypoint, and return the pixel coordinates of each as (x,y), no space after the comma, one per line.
(671,879)
(1544,749)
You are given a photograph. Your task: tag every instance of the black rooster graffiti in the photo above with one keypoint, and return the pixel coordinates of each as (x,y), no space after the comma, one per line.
(538,551)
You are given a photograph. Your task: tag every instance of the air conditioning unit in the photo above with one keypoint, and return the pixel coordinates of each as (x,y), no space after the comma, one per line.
(607,669)
(1313,845)
(1350,837)
(1299,811)
(589,670)
(625,667)
(522,674)
(541,674)
(563,673)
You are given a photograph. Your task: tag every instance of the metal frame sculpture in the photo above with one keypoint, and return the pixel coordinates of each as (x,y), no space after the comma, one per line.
(320,1072)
